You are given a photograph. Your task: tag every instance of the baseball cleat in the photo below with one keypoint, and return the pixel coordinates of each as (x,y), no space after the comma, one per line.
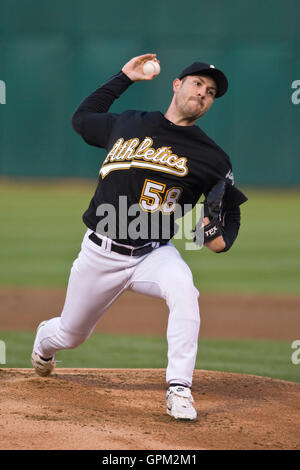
(43,367)
(179,403)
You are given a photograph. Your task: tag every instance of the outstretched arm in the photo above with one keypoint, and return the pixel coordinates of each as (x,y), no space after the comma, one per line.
(91,119)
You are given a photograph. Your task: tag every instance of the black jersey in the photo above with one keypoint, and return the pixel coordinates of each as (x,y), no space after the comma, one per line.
(151,164)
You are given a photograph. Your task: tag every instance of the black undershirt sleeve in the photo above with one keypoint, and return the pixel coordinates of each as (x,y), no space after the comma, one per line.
(231,225)
(91,119)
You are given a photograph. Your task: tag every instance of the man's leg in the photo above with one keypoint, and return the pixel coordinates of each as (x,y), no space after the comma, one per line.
(163,273)
(97,278)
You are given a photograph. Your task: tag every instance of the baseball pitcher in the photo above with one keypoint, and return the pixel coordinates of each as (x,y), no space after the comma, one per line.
(156,164)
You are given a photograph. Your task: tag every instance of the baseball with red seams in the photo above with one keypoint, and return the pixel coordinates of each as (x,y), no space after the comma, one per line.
(151,67)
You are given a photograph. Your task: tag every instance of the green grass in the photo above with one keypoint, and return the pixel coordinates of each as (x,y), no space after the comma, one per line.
(257,357)
(41,233)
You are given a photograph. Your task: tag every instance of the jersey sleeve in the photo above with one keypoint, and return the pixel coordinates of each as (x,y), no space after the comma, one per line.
(91,119)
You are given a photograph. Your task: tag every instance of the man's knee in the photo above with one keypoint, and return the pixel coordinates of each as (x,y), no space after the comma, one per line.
(71,340)
(182,288)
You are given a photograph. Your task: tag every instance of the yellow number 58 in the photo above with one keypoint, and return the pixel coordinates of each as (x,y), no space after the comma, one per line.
(155,197)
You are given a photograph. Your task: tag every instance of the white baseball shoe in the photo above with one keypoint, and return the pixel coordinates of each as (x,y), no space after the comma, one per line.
(43,367)
(179,403)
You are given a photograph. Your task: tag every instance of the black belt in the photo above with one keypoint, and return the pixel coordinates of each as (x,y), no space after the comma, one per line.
(123,250)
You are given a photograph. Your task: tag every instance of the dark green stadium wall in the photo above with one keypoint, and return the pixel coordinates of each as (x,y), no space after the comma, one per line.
(53,54)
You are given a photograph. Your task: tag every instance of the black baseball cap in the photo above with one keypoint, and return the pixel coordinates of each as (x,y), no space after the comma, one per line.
(200,68)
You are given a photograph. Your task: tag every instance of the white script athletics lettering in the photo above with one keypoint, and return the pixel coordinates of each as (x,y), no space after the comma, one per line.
(129,153)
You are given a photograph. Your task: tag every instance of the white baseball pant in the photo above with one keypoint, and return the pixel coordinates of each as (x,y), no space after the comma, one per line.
(99,276)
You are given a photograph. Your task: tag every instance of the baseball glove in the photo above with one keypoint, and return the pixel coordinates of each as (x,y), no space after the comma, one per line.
(212,210)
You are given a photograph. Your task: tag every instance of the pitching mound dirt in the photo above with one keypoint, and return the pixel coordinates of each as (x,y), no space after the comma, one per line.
(125,409)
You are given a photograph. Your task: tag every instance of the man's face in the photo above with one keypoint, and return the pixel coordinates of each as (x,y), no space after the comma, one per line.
(194,95)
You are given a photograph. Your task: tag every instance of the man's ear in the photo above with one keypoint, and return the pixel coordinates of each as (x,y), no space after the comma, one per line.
(176,84)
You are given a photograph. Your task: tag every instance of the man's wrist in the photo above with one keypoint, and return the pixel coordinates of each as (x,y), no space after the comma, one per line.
(217,244)
(126,76)
(212,229)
